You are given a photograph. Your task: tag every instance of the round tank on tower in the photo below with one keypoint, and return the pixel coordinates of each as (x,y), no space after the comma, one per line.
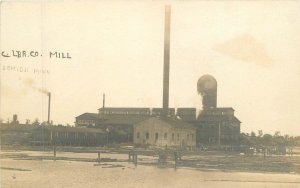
(207,88)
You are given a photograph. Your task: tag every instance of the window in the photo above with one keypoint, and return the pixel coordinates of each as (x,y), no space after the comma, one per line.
(165,136)
(192,135)
(178,136)
(138,135)
(173,136)
(156,136)
(188,136)
(147,135)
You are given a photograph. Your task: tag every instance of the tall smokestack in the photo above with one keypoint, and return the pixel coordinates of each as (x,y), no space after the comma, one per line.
(49,102)
(166,60)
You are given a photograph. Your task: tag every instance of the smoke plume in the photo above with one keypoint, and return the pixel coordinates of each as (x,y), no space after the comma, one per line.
(31,83)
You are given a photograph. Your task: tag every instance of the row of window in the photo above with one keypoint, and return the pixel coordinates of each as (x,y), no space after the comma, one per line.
(85,122)
(165,136)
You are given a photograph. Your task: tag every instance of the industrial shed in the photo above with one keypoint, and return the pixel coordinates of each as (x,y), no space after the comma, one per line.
(165,132)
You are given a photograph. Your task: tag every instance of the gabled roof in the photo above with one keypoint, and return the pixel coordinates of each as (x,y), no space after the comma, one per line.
(175,123)
(94,115)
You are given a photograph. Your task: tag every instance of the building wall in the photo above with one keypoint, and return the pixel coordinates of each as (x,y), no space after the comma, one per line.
(208,132)
(48,135)
(187,114)
(216,124)
(159,133)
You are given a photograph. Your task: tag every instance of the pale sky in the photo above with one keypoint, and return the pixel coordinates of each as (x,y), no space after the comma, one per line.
(250,47)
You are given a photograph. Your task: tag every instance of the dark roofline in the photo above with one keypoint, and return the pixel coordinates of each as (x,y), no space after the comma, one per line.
(187,108)
(221,108)
(87,113)
(124,108)
(162,108)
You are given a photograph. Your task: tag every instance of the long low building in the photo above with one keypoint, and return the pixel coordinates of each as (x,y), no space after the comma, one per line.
(27,134)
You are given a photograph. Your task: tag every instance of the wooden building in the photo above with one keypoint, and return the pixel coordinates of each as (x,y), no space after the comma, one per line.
(186,114)
(165,132)
(217,126)
(27,134)
(88,120)
(68,136)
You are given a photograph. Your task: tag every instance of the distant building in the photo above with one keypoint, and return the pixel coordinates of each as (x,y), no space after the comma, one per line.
(28,134)
(121,121)
(88,119)
(165,132)
(67,136)
(118,122)
(217,126)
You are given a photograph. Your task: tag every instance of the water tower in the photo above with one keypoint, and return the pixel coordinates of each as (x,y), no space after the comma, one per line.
(207,88)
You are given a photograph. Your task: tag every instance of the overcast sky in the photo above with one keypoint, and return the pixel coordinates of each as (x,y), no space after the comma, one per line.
(250,47)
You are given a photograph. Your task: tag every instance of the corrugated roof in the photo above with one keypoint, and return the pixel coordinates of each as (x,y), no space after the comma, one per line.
(176,123)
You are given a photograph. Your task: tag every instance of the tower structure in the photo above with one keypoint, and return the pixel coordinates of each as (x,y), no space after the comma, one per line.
(207,88)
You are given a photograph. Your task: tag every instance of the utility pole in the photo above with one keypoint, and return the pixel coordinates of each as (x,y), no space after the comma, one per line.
(103,106)
(219,137)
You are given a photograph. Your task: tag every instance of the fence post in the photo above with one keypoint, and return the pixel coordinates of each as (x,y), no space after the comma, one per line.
(99,159)
(54,152)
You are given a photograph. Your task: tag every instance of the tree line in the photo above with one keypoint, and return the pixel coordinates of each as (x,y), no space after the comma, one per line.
(261,139)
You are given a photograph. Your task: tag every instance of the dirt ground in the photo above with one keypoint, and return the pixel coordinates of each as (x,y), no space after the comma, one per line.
(82,169)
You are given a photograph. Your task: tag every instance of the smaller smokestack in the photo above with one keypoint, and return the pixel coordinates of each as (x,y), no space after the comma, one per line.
(103,103)
(49,102)
(103,100)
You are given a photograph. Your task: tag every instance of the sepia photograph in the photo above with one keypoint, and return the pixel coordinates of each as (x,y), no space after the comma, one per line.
(149,94)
